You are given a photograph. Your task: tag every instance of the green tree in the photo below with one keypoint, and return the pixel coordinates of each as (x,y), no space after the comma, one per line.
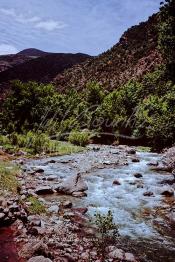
(166,40)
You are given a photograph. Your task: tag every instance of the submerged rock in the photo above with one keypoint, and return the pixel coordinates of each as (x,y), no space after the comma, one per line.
(153,163)
(138,175)
(135,160)
(116,183)
(131,151)
(148,193)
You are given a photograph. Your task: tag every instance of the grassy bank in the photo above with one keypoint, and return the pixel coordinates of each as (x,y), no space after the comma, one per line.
(8,177)
(31,143)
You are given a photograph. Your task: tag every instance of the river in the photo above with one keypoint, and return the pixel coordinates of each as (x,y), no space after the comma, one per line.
(144,221)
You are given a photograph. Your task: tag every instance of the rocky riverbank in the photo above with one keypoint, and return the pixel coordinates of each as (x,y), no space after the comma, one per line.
(61,187)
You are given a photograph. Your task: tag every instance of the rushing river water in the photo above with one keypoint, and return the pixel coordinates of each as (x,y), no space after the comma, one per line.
(144,221)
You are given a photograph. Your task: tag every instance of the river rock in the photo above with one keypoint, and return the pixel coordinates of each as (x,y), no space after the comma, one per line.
(131,151)
(138,175)
(67,204)
(116,183)
(2,216)
(52,178)
(39,259)
(162,168)
(53,209)
(148,193)
(38,170)
(168,193)
(42,190)
(135,160)
(79,194)
(34,220)
(117,254)
(169,158)
(153,163)
(52,161)
(72,185)
(129,257)
(81,210)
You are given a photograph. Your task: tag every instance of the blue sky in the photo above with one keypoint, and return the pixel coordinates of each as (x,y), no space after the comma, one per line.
(86,26)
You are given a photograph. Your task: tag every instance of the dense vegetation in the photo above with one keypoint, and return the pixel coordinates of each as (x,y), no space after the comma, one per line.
(139,111)
(143,110)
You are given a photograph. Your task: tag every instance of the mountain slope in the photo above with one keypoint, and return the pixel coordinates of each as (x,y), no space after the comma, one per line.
(132,57)
(42,69)
(32,52)
(9,61)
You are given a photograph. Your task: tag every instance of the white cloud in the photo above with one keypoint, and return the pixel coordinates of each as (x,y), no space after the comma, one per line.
(7,49)
(50,25)
(35,21)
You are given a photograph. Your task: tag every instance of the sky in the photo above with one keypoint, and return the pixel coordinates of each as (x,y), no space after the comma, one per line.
(69,26)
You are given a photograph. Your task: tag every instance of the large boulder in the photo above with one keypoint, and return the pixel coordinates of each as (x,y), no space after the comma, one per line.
(169,158)
(72,185)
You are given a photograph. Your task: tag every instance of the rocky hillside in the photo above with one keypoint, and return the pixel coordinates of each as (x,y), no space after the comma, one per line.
(42,69)
(9,61)
(132,57)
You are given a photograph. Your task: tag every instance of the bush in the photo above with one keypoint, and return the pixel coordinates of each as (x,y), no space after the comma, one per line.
(36,206)
(80,138)
(107,232)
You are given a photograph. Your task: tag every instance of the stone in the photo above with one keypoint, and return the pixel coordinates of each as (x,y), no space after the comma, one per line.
(168,193)
(3,202)
(138,175)
(38,170)
(81,210)
(71,185)
(67,204)
(131,151)
(129,257)
(116,183)
(43,190)
(14,208)
(79,194)
(34,220)
(52,161)
(148,193)
(2,216)
(53,209)
(39,259)
(153,163)
(135,160)
(33,247)
(117,254)
(161,168)
(69,215)
(32,231)
(52,178)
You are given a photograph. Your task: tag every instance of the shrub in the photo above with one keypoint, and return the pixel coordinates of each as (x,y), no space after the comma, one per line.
(36,206)
(4,140)
(107,232)
(80,138)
